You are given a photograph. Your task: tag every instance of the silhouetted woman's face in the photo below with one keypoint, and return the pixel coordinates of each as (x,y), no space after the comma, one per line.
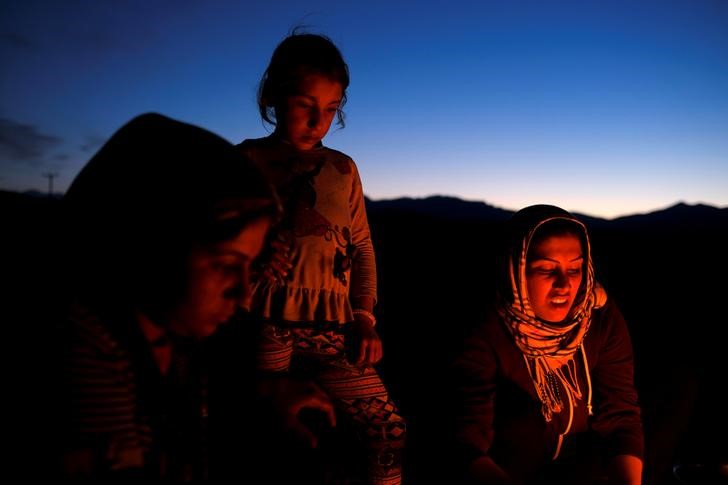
(218,282)
(554,270)
(305,117)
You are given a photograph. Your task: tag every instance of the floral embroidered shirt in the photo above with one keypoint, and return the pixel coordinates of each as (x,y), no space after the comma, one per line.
(325,228)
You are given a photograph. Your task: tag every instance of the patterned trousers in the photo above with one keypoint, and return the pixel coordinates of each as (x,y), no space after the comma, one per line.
(357,391)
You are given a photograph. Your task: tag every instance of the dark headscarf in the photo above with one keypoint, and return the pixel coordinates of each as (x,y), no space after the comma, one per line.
(157,187)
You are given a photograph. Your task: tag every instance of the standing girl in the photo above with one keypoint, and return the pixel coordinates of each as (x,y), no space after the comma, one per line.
(317,286)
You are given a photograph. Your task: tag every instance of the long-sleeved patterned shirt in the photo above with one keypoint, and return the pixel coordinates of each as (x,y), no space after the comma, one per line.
(325,228)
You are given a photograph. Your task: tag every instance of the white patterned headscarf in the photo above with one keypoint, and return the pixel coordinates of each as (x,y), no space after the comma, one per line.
(548,348)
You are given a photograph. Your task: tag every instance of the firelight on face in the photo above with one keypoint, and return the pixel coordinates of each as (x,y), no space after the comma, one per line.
(308,114)
(218,282)
(554,271)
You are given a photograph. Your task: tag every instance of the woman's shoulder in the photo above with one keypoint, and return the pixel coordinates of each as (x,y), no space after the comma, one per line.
(607,313)
(255,143)
(86,329)
(485,343)
(607,325)
(488,327)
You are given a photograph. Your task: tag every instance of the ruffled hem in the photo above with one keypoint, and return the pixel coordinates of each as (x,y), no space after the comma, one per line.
(271,301)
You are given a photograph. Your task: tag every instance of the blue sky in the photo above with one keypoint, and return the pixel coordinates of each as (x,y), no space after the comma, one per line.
(605,108)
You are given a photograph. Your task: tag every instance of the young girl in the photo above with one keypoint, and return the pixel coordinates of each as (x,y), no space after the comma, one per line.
(317,286)
(545,385)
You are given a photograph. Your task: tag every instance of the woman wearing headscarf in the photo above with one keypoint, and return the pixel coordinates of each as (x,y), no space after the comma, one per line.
(163,222)
(545,386)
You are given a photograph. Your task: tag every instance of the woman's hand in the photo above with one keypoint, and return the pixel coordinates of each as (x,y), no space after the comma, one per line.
(301,406)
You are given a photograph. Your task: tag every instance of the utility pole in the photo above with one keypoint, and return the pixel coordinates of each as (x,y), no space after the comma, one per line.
(50,176)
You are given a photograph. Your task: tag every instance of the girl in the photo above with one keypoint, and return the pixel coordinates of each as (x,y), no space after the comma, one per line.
(545,385)
(317,286)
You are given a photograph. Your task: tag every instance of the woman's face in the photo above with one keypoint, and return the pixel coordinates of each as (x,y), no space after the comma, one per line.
(305,117)
(218,282)
(554,270)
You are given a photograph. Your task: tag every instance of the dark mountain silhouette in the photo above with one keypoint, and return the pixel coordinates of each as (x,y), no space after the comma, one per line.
(441,206)
(696,216)
(453,208)
(436,259)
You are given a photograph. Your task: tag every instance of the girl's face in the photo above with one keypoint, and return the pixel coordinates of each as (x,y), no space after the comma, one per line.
(305,117)
(218,282)
(553,275)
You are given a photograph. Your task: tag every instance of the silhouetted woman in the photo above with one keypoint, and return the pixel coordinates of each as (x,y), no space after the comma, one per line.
(165,221)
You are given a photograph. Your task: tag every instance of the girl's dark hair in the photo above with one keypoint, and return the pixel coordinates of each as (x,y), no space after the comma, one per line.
(299,55)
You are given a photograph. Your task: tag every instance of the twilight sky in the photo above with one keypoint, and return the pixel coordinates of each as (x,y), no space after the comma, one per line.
(607,108)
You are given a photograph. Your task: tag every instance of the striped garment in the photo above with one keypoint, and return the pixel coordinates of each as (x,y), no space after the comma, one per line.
(120,408)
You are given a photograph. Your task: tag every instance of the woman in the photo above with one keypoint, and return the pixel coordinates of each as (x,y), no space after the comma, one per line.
(545,386)
(164,220)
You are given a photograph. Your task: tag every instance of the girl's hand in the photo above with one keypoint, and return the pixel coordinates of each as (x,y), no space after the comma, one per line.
(367,345)
(276,269)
